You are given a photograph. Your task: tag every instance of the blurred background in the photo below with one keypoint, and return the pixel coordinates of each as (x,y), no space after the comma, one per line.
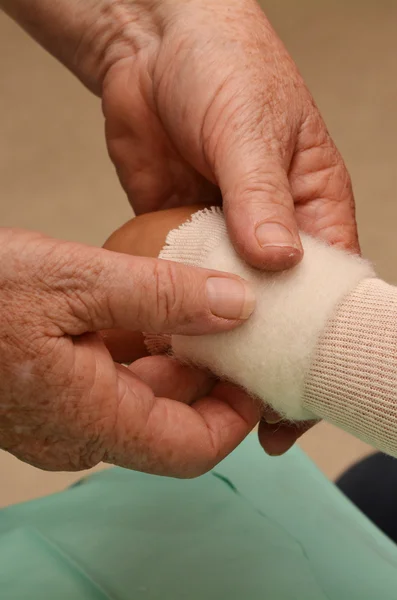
(55,175)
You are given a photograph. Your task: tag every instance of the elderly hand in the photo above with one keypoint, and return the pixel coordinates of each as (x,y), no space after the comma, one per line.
(66,405)
(209,106)
(145,236)
(203,103)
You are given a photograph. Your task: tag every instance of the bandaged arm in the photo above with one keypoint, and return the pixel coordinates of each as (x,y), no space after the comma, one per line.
(322,342)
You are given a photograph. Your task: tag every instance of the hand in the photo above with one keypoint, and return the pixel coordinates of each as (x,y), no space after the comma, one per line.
(145,236)
(65,404)
(221,114)
(203,102)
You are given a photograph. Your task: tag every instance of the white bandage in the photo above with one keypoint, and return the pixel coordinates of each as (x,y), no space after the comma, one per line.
(270,355)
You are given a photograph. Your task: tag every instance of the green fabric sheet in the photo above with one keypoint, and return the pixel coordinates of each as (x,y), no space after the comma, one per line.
(254,528)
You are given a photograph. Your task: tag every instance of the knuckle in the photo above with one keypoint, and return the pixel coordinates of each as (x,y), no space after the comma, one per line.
(270,188)
(65,268)
(73,287)
(264,199)
(264,185)
(169,292)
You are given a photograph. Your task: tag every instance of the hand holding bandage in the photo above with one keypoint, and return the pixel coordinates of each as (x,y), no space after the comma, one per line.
(321,342)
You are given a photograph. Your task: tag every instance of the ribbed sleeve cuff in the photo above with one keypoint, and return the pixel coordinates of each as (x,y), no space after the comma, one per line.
(353,378)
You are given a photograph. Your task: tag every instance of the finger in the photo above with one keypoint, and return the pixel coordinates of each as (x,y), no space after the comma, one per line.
(269,415)
(142,236)
(259,208)
(170,379)
(105,290)
(322,188)
(278,438)
(162,436)
(152,172)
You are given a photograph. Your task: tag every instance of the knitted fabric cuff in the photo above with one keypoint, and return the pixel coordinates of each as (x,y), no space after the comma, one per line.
(271,355)
(353,378)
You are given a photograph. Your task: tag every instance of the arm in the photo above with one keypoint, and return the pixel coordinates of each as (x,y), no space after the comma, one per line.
(87,36)
(352,381)
(322,342)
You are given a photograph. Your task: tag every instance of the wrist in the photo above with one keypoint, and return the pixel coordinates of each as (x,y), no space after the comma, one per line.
(87,37)
(271,354)
(118,29)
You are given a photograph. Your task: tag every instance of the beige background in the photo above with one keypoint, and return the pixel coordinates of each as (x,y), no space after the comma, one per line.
(55,175)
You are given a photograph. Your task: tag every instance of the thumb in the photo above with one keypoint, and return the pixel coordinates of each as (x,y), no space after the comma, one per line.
(259,208)
(110,290)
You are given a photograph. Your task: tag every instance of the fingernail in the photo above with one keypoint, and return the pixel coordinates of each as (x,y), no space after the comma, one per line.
(272,420)
(230,298)
(275,453)
(275,234)
(270,416)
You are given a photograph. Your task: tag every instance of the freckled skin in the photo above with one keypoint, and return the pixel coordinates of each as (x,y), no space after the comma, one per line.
(217,111)
(146,235)
(65,404)
(202,103)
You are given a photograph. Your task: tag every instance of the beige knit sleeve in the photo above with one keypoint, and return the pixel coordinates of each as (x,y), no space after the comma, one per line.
(353,378)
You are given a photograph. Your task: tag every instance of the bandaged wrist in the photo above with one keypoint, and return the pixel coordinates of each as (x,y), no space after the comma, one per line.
(271,355)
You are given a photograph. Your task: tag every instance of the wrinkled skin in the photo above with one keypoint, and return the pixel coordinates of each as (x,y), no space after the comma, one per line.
(145,236)
(212,108)
(202,102)
(65,404)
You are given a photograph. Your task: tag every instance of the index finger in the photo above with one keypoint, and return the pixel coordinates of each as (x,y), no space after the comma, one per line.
(166,437)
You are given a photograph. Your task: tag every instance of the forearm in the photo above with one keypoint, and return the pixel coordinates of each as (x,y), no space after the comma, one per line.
(87,36)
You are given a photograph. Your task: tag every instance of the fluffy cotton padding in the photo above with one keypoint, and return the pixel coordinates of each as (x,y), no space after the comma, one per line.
(269,355)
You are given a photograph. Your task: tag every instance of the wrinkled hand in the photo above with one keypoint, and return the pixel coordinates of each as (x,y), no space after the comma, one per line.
(203,103)
(65,404)
(207,104)
(210,107)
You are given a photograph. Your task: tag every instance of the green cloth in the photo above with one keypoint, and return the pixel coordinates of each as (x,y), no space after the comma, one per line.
(256,528)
